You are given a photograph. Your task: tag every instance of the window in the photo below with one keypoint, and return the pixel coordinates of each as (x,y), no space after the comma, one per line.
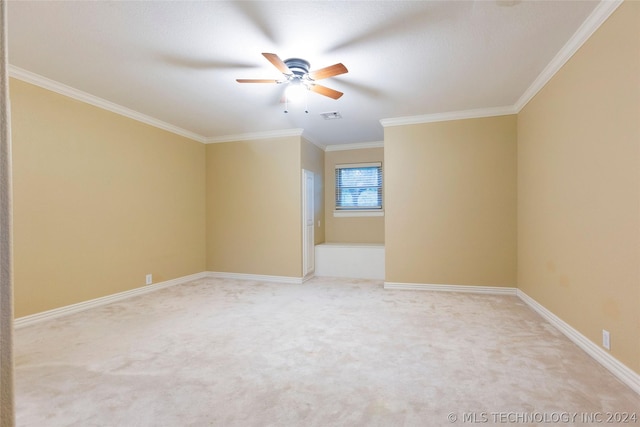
(359,188)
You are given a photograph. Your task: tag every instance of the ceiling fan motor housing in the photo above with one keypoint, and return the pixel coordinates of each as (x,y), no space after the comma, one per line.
(299,67)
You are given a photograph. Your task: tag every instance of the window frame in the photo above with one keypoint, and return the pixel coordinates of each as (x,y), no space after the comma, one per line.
(341,211)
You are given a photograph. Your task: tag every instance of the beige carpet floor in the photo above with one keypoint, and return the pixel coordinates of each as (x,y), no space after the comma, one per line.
(330,352)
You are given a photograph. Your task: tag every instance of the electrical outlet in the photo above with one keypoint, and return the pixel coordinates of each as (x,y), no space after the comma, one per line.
(149,279)
(606,339)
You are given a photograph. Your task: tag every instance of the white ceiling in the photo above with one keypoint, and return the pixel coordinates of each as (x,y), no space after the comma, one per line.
(177,61)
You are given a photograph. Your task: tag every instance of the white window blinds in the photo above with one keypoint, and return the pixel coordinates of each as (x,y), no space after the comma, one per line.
(359,186)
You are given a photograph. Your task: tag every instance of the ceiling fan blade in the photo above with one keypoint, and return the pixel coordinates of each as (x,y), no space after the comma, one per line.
(326,72)
(277,62)
(323,90)
(256,81)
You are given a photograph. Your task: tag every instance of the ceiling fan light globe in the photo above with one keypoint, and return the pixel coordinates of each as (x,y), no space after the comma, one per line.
(295,91)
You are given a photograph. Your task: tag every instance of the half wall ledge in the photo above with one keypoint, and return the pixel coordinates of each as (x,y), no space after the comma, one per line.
(352,260)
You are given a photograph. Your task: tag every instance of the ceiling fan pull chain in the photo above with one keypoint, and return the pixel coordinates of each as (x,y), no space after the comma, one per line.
(286,104)
(306,101)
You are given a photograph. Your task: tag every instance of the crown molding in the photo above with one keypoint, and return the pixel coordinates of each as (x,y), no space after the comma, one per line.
(603,10)
(256,135)
(62,89)
(354,146)
(452,115)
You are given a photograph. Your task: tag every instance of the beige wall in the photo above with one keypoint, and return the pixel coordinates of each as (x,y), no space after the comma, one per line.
(313,160)
(254,223)
(100,200)
(579,189)
(451,202)
(350,229)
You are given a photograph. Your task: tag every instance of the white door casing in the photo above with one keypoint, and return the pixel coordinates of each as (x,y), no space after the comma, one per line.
(308,244)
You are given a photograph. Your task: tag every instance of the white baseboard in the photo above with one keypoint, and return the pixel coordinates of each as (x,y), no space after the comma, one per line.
(492,290)
(85,305)
(617,368)
(256,277)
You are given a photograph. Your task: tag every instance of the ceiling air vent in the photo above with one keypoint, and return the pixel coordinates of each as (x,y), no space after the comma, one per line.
(332,115)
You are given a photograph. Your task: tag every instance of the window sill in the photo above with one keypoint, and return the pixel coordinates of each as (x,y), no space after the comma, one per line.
(355,213)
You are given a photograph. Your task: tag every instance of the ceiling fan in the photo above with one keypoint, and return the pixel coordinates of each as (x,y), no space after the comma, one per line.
(296,74)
